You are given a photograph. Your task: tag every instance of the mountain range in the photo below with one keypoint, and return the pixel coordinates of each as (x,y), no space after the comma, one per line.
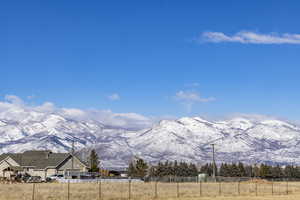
(185,139)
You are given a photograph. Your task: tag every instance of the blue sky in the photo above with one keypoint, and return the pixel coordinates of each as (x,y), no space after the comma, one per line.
(155,58)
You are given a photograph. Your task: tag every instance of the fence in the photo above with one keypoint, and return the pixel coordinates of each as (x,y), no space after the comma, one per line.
(144,190)
(63,180)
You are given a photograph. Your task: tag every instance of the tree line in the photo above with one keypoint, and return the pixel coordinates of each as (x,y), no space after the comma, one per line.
(242,170)
(139,168)
(181,169)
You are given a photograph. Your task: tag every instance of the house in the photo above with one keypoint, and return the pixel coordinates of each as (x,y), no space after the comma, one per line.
(39,163)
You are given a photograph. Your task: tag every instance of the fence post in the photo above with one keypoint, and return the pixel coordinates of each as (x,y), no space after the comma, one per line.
(220,189)
(129,188)
(287,186)
(33,191)
(256,188)
(100,190)
(68,189)
(177,189)
(239,192)
(200,188)
(155,190)
(272,187)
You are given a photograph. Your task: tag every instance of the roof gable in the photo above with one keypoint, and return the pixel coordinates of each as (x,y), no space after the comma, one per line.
(15,157)
(37,159)
(76,159)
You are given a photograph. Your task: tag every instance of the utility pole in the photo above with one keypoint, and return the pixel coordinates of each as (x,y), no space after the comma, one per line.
(73,151)
(214,163)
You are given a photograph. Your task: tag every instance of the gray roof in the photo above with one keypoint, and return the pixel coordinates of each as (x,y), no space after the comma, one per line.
(37,159)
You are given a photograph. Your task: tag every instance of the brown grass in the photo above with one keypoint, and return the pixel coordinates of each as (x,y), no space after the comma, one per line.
(146,191)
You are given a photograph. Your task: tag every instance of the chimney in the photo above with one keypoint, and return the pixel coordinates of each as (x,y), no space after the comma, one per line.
(48,154)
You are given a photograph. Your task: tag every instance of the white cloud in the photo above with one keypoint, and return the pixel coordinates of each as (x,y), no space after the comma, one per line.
(255,117)
(128,120)
(114,97)
(194,84)
(249,116)
(30,97)
(73,113)
(248,37)
(46,107)
(189,98)
(15,109)
(14,99)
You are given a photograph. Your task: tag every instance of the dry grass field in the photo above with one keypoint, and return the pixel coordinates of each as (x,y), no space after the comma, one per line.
(147,191)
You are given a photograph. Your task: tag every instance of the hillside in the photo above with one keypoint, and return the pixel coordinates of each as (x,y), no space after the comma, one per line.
(237,139)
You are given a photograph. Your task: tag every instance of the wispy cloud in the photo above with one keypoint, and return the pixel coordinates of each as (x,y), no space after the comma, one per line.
(192,96)
(114,97)
(14,99)
(194,84)
(30,97)
(189,98)
(248,37)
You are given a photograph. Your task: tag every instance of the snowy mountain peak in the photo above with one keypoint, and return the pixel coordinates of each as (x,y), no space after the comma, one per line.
(237,139)
(240,123)
(192,120)
(278,123)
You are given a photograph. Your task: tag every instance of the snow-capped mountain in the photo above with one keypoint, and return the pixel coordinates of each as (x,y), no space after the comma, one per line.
(190,139)
(238,139)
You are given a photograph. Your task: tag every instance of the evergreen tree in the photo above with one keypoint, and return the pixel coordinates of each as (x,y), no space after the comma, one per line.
(265,171)
(193,171)
(168,168)
(234,170)
(256,171)
(290,171)
(226,170)
(297,175)
(141,167)
(241,170)
(176,168)
(131,169)
(208,169)
(222,170)
(158,171)
(152,171)
(249,171)
(94,161)
(185,169)
(204,169)
(277,172)
(138,168)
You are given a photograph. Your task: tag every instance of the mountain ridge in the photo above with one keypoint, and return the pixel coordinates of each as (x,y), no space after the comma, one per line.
(187,138)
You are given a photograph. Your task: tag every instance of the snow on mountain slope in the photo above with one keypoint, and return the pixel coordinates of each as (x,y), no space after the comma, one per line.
(30,130)
(190,139)
(2,123)
(236,139)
